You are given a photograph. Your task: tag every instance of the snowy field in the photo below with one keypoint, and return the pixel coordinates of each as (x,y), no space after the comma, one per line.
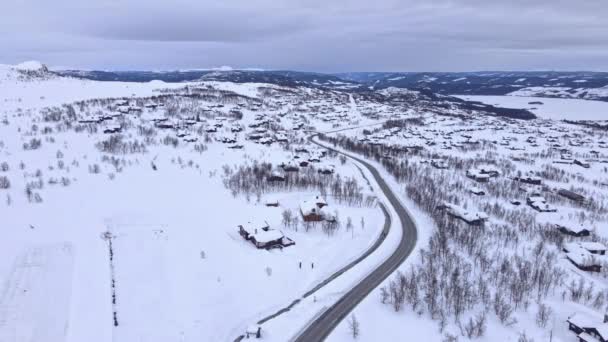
(35,302)
(161,276)
(551,108)
(179,271)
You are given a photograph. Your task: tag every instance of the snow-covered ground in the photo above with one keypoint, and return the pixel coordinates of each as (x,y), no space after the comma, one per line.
(162,224)
(37,296)
(120,204)
(549,108)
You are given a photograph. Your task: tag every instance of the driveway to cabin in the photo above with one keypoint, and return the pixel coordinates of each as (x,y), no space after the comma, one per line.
(321,327)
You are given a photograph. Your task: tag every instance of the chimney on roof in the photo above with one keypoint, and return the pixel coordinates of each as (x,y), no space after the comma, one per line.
(605,317)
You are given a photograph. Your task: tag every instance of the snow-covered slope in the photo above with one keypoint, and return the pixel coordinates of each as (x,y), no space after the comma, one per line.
(32,85)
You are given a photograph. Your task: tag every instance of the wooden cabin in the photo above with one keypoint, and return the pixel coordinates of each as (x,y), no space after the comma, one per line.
(575,230)
(263,237)
(312,210)
(582,259)
(571,195)
(529,180)
(588,328)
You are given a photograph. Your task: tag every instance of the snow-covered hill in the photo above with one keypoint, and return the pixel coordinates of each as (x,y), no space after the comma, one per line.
(284,78)
(26,71)
(579,85)
(32,85)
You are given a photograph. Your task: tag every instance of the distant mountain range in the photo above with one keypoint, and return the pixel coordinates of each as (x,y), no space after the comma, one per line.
(283,78)
(582,85)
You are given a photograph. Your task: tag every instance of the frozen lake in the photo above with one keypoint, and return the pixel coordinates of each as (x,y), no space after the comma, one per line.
(551,108)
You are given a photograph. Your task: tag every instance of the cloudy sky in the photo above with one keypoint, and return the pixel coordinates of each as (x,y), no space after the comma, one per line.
(316,35)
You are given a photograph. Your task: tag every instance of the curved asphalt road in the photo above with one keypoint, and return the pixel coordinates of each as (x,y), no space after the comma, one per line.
(320,328)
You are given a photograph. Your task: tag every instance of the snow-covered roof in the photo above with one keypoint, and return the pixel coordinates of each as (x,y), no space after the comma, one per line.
(538,202)
(112,126)
(586,321)
(319,200)
(602,329)
(477,173)
(310,208)
(488,169)
(592,246)
(277,173)
(269,235)
(461,212)
(476,190)
(583,320)
(573,228)
(271,199)
(266,140)
(530,178)
(440,163)
(586,337)
(537,199)
(572,246)
(253,329)
(325,167)
(253,224)
(582,257)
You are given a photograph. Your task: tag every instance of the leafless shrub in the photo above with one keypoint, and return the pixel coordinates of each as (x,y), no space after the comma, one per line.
(4,182)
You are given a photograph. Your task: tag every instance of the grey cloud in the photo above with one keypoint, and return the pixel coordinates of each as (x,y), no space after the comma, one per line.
(311,34)
(181,24)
